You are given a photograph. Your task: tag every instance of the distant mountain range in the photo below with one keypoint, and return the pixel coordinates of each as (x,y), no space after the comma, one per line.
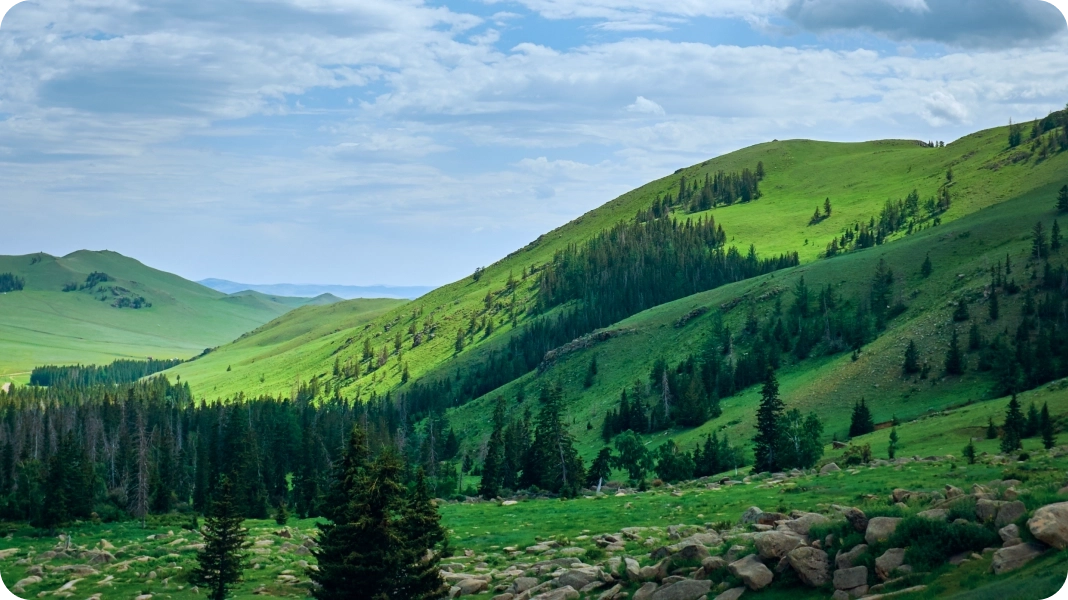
(312,290)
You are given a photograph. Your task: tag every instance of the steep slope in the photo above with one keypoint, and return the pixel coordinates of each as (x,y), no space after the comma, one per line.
(126,310)
(857,178)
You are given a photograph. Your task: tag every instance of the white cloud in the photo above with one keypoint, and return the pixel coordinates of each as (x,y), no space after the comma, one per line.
(644,105)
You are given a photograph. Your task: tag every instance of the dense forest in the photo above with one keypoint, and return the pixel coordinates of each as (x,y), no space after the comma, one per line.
(119,371)
(11,283)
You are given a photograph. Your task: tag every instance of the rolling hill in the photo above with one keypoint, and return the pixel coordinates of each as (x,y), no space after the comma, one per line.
(116,307)
(347,292)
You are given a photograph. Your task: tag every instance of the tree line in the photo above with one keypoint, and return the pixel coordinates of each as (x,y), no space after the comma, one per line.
(896,215)
(9,282)
(119,371)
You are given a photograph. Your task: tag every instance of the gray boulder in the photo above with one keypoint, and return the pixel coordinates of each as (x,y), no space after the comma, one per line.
(752,572)
(856,518)
(564,593)
(775,544)
(1010,535)
(829,468)
(934,514)
(645,592)
(578,578)
(880,529)
(751,515)
(886,564)
(847,579)
(1014,557)
(811,565)
(987,510)
(731,594)
(471,586)
(522,584)
(804,523)
(1009,513)
(1050,525)
(687,589)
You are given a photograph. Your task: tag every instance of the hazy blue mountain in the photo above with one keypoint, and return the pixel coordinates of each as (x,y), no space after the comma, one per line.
(312,290)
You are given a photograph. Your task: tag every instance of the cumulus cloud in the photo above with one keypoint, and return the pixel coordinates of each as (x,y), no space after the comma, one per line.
(968,23)
(646,106)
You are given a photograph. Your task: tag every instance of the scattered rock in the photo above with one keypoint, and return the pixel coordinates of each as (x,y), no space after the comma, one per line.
(829,468)
(987,510)
(687,589)
(1050,525)
(579,578)
(846,560)
(509,503)
(645,592)
(847,579)
(631,570)
(751,515)
(856,518)
(752,572)
(886,564)
(471,586)
(731,594)
(564,593)
(775,544)
(1014,557)
(880,529)
(803,524)
(1009,513)
(900,495)
(935,514)
(611,593)
(522,584)
(811,565)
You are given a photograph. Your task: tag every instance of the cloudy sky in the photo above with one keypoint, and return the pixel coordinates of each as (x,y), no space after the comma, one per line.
(408,142)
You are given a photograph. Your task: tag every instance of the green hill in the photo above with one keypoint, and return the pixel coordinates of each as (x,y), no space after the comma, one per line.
(857,178)
(116,307)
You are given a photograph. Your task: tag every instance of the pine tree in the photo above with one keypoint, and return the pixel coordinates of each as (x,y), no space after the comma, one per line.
(1039,245)
(1062,199)
(861,422)
(221,562)
(969,452)
(459,345)
(891,448)
(991,429)
(591,372)
(281,514)
(1055,236)
(424,543)
(827,208)
(1012,431)
(490,486)
(912,359)
(559,467)
(1049,438)
(994,308)
(975,338)
(954,357)
(1033,424)
(926,268)
(961,313)
(601,469)
(768,439)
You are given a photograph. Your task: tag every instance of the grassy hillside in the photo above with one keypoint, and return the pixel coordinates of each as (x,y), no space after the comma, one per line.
(98,323)
(858,178)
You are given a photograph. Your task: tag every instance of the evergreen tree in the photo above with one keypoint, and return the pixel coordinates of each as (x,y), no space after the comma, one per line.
(994,308)
(591,372)
(1012,431)
(67,486)
(1055,236)
(492,467)
(601,469)
(1033,424)
(1062,199)
(961,313)
(281,514)
(926,268)
(891,448)
(912,359)
(1039,245)
(459,345)
(975,338)
(424,543)
(954,357)
(558,465)
(969,452)
(827,208)
(768,439)
(991,429)
(672,464)
(1049,438)
(224,557)
(861,422)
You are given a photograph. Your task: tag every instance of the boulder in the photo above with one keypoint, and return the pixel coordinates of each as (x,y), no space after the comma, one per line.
(522,584)
(471,586)
(1010,535)
(803,524)
(953,491)
(751,515)
(900,495)
(1009,513)
(611,593)
(987,510)
(731,594)
(811,565)
(847,579)
(631,569)
(771,518)
(1049,524)
(713,564)
(840,595)
(572,551)
(31,580)
(687,589)
(691,553)
(880,529)
(707,538)
(1014,557)
(856,518)
(934,514)
(645,592)
(578,578)
(752,572)
(775,544)
(102,557)
(564,593)
(846,560)
(888,562)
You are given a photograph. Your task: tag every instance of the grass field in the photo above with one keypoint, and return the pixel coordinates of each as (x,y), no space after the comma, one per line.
(44,325)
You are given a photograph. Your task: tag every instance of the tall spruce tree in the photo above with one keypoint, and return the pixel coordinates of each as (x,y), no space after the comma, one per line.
(224,557)
(424,543)
(1055,237)
(1062,199)
(954,356)
(559,468)
(1049,437)
(861,422)
(911,365)
(926,268)
(1012,431)
(492,467)
(769,437)
(993,306)
(1039,244)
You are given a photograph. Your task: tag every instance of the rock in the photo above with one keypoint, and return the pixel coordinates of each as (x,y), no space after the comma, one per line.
(900,495)
(579,578)
(591,586)
(708,538)
(537,549)
(572,551)
(1014,557)
(713,564)
(829,468)
(953,492)
(522,584)
(687,589)
(1010,535)
(645,592)
(803,524)
(987,510)
(859,591)
(144,597)
(846,560)
(731,594)
(856,518)
(471,586)
(1049,524)
(611,593)
(509,503)
(811,565)
(504,596)
(888,562)
(880,529)
(935,514)
(735,552)
(752,572)
(910,590)
(631,570)
(102,557)
(775,544)
(691,553)
(1009,513)
(31,580)
(847,579)
(840,595)
(564,593)
(751,515)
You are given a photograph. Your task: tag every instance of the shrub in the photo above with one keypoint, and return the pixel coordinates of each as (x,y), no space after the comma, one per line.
(856,455)
(929,542)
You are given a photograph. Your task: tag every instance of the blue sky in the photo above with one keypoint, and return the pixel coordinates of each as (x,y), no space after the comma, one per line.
(407,142)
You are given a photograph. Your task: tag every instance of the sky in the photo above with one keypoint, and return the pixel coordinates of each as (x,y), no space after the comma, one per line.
(407,142)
